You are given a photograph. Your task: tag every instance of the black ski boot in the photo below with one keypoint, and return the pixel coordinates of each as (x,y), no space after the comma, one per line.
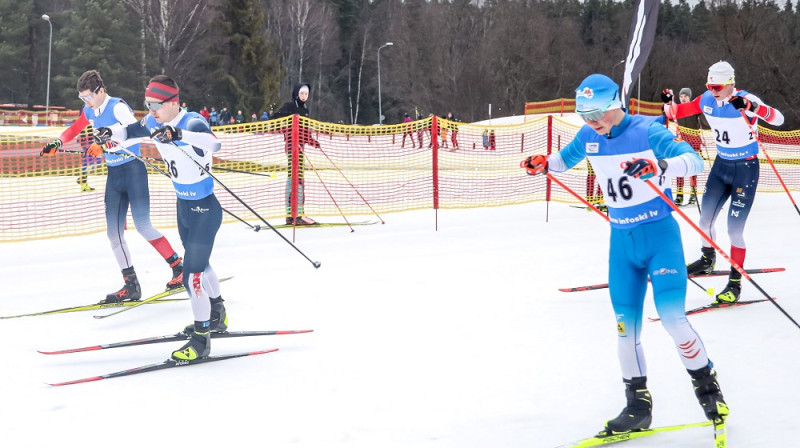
(219,318)
(708,393)
(733,289)
(130,292)
(176,263)
(198,346)
(678,199)
(692,197)
(638,413)
(705,264)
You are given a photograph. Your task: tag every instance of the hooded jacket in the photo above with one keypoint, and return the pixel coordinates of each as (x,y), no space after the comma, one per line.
(295,106)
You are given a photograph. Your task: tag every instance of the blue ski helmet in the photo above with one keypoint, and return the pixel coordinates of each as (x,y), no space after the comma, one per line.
(596,94)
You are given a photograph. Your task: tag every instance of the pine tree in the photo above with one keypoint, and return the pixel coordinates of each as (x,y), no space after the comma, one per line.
(102,35)
(17,50)
(242,69)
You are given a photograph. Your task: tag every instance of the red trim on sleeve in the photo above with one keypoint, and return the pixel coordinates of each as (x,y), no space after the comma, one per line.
(683,110)
(765,112)
(75,128)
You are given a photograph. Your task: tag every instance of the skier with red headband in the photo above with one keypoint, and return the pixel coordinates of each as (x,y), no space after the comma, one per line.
(126,185)
(733,115)
(186,143)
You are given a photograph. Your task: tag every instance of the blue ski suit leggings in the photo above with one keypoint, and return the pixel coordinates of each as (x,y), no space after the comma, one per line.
(650,251)
(198,223)
(735,179)
(127,186)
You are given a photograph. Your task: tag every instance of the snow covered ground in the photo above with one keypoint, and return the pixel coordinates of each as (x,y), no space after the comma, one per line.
(454,338)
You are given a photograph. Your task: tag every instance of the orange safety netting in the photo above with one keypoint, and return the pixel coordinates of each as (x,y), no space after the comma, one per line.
(361,172)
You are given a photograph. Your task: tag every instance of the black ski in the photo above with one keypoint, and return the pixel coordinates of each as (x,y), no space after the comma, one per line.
(170,338)
(715,306)
(712,274)
(168,364)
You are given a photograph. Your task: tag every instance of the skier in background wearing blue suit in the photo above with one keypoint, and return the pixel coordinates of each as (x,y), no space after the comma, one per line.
(625,150)
(126,187)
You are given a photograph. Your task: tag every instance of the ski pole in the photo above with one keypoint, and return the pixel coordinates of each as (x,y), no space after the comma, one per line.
(316,264)
(769,159)
(734,264)
(709,291)
(146,161)
(349,183)
(569,190)
(330,195)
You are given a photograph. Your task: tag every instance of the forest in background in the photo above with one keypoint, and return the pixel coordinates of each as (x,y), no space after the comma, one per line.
(447,55)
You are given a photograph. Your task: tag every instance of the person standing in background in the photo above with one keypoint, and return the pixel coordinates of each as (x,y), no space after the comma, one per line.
(408,131)
(453,129)
(213,117)
(297,106)
(685,96)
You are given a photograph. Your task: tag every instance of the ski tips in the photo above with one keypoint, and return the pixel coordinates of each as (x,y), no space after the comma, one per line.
(83,380)
(75,350)
(261,352)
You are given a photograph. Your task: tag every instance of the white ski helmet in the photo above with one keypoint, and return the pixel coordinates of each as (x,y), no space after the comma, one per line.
(721,73)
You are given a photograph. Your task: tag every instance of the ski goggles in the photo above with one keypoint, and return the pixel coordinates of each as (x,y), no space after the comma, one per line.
(89,97)
(594,114)
(156,105)
(717,87)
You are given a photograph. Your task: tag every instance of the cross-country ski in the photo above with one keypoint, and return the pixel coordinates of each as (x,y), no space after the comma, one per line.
(608,439)
(170,338)
(97,306)
(717,273)
(148,300)
(168,364)
(716,306)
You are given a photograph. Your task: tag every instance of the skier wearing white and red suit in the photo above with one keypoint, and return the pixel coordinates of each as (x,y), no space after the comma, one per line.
(735,171)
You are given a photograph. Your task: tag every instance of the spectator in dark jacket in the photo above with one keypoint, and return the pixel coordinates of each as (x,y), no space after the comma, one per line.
(693,122)
(224,117)
(297,106)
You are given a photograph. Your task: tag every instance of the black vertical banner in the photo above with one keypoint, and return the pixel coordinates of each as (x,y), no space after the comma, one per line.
(640,41)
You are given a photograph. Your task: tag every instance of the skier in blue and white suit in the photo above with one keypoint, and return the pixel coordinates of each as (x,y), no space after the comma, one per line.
(186,144)
(625,150)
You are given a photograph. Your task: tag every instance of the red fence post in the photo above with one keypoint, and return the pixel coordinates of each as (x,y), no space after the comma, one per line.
(435,160)
(295,133)
(549,151)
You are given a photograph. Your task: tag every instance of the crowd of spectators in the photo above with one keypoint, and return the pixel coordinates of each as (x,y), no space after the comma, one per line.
(224,117)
